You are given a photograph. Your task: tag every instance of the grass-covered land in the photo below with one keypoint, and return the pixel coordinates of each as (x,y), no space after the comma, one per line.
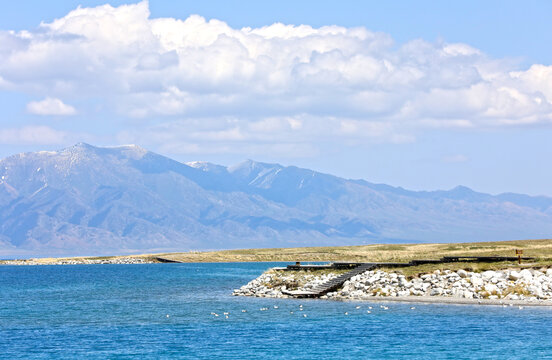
(541,250)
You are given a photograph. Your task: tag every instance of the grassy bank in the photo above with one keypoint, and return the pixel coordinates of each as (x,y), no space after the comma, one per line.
(539,249)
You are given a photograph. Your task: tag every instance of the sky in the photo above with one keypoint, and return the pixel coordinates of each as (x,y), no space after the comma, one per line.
(425,95)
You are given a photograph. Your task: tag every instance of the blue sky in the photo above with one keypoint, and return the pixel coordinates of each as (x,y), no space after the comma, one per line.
(424,95)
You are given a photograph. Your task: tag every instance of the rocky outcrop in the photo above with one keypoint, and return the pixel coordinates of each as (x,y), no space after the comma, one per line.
(273,283)
(527,284)
(120,260)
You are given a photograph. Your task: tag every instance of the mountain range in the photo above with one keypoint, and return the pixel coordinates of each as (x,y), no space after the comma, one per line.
(87,200)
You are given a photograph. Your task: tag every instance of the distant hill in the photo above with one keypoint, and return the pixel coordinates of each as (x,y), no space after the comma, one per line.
(90,200)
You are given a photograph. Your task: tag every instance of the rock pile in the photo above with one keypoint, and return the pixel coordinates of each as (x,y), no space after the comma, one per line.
(272,283)
(120,260)
(503,284)
(527,284)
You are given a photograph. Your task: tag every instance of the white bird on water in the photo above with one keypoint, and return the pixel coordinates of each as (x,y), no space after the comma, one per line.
(358,307)
(412,308)
(168,315)
(304,315)
(520,307)
(368,312)
(346,313)
(275,307)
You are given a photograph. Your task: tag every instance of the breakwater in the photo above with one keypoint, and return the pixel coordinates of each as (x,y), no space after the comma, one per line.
(530,285)
(78,261)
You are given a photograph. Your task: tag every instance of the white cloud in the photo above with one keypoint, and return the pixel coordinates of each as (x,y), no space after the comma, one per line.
(336,83)
(50,106)
(33,135)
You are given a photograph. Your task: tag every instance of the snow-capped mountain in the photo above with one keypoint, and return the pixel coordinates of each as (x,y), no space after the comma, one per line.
(92,200)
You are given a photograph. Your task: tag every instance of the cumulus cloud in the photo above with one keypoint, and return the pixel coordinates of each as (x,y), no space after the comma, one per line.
(50,106)
(207,82)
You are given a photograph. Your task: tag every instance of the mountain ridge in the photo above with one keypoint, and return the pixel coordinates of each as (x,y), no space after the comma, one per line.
(103,200)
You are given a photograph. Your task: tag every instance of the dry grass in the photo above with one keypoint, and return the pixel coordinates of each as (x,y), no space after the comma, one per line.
(415,271)
(540,249)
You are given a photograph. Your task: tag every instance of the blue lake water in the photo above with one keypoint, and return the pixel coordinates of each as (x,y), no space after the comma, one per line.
(120,312)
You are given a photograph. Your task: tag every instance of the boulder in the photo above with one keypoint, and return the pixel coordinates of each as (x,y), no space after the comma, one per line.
(491,288)
(403,293)
(526,275)
(514,275)
(476,281)
(436,292)
(489,274)
(462,273)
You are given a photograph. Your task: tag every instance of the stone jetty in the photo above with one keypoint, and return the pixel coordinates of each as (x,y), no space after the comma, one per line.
(518,285)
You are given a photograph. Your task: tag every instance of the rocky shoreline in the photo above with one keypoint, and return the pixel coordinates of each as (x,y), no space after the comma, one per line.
(118,260)
(509,286)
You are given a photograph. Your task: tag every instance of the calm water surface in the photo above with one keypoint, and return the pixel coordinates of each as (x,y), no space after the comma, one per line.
(120,312)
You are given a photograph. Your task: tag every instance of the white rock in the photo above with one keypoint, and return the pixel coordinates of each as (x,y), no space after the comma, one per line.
(526,275)
(462,273)
(404,293)
(491,288)
(489,274)
(476,281)
(436,292)
(514,275)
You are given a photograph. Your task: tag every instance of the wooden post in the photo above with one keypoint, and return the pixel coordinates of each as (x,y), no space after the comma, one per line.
(519,253)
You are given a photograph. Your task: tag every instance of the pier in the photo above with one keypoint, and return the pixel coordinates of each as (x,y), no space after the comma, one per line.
(358,268)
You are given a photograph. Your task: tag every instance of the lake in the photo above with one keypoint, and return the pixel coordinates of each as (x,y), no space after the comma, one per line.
(152,311)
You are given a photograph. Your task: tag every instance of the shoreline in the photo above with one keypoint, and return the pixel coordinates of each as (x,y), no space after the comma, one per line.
(79,261)
(448,301)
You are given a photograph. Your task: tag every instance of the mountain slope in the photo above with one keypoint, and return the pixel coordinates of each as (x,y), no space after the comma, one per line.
(91,200)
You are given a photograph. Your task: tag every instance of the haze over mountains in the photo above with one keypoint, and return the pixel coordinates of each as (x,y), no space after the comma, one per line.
(87,200)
